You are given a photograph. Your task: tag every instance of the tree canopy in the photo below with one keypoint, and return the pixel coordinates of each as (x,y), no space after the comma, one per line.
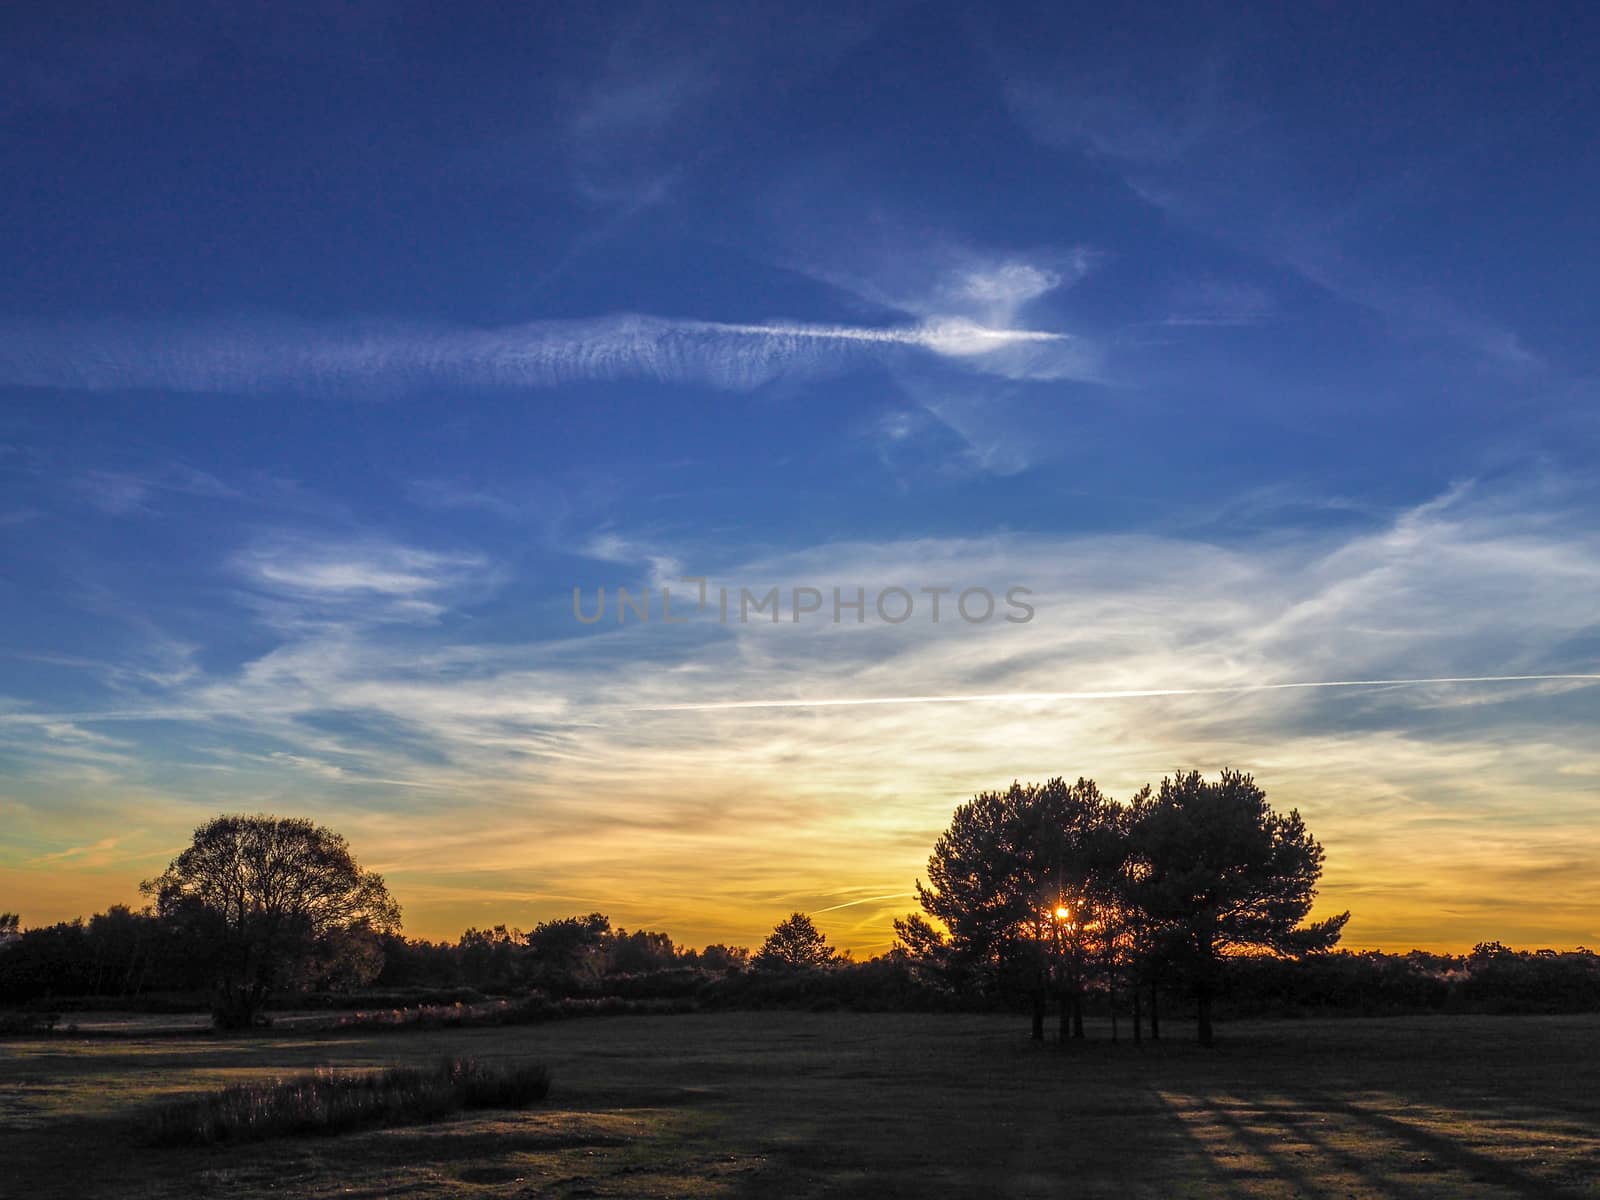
(569,944)
(1055,887)
(1026,881)
(795,943)
(1217,871)
(269,899)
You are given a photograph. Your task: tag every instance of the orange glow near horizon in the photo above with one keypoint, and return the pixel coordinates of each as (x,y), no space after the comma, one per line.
(716,843)
(722,892)
(865,928)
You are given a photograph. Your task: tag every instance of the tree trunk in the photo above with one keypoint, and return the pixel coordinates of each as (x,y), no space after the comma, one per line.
(1066,1004)
(1038,1016)
(1111,999)
(1203,1008)
(1155,1015)
(1077,1017)
(1138,1031)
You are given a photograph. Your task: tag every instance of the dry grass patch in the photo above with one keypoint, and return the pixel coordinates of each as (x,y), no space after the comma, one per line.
(332,1101)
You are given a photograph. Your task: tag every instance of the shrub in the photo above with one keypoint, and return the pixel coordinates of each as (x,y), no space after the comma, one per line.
(332,1101)
(529,1010)
(498,1085)
(379,998)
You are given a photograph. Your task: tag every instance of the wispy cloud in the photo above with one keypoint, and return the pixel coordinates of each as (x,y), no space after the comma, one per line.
(1217,303)
(670,80)
(1120,693)
(1190,148)
(952,288)
(122,492)
(1147,653)
(1158,122)
(297,578)
(97,854)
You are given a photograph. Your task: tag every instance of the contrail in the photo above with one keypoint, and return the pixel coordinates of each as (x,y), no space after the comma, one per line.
(865,900)
(1115,694)
(950,337)
(245,357)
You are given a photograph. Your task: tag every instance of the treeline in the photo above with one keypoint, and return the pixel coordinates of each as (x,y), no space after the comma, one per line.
(1192,898)
(134,957)
(570,956)
(127,959)
(1492,979)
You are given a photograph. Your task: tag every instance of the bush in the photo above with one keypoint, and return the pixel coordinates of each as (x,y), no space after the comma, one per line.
(530,1010)
(377,998)
(330,1101)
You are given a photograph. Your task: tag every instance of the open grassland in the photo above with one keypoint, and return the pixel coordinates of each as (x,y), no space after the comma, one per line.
(786,1104)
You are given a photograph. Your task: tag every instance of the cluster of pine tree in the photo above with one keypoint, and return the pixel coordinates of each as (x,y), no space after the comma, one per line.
(1056,889)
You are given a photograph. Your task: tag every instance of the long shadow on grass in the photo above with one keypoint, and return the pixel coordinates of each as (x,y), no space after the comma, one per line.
(1258,1159)
(1476,1165)
(1258,1143)
(1300,1115)
(1229,1117)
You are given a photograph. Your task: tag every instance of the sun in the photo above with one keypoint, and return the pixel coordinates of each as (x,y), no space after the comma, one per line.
(1062,912)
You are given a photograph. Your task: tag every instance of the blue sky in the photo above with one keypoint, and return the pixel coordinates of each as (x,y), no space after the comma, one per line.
(337,349)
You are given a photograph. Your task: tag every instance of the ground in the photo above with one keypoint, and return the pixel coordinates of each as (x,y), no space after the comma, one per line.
(788,1104)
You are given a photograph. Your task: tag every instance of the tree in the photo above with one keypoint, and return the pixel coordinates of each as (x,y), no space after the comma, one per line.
(1024,881)
(794,944)
(489,957)
(1070,844)
(640,951)
(270,899)
(571,949)
(10,927)
(975,890)
(120,944)
(727,959)
(1216,871)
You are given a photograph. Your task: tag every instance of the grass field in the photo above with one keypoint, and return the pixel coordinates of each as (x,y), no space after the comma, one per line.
(785,1104)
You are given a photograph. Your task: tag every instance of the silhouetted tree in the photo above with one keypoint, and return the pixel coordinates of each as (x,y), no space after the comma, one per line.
(120,944)
(344,961)
(270,898)
(977,890)
(570,951)
(1025,881)
(1150,943)
(726,959)
(1070,844)
(10,928)
(795,943)
(1485,952)
(409,962)
(115,953)
(1215,870)
(490,957)
(640,951)
(925,950)
(1112,923)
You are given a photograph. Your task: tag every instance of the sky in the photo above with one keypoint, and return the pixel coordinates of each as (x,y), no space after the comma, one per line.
(346,352)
